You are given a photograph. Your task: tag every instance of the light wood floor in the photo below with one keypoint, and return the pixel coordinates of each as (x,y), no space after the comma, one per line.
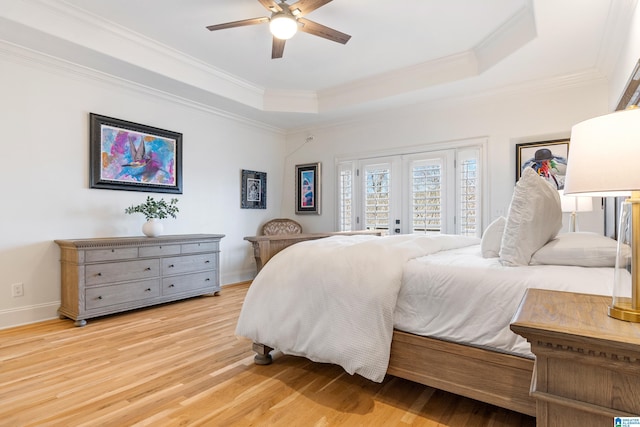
(180,364)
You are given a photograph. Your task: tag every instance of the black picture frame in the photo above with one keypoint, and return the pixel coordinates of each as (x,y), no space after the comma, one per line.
(118,161)
(253,190)
(308,188)
(526,157)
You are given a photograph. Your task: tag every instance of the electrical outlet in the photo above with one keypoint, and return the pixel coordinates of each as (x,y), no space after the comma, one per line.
(17,290)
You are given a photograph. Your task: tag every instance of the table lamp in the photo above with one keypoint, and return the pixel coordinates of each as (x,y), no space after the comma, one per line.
(573,205)
(604,161)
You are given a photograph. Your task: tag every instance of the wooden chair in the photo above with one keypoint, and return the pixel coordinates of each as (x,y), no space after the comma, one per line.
(281,226)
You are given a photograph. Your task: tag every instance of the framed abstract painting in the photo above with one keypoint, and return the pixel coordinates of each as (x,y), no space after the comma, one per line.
(308,179)
(135,157)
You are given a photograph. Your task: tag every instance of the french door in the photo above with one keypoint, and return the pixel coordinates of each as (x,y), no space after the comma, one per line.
(426,192)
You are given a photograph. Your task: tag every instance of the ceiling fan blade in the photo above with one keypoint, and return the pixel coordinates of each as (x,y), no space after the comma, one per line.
(305,6)
(242,23)
(278,48)
(271,5)
(322,31)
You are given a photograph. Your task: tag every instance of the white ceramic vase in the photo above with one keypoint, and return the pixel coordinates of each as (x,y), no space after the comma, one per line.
(152,228)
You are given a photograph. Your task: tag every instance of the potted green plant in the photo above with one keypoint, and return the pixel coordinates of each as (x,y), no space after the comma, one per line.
(153,211)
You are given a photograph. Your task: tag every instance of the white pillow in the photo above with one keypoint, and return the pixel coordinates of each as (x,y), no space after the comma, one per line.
(581,248)
(534,218)
(492,238)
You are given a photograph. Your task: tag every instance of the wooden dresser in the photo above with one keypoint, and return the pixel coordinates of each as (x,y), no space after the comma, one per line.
(587,368)
(110,275)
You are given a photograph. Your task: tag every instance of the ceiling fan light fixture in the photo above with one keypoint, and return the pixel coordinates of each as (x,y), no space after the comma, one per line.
(283,26)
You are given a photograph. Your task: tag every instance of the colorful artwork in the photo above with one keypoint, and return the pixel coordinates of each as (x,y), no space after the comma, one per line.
(308,188)
(547,158)
(308,198)
(129,156)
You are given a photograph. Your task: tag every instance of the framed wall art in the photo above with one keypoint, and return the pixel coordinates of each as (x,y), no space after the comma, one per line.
(547,158)
(131,156)
(308,179)
(254,190)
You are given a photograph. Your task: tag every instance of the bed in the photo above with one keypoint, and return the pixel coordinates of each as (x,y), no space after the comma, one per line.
(432,309)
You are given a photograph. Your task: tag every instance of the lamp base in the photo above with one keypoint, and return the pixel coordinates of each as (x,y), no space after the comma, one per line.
(624,312)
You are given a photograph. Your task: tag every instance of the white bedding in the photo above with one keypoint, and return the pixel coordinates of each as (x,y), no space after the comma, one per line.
(332,300)
(337,300)
(460,296)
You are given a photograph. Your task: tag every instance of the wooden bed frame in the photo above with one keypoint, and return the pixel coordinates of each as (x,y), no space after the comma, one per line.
(496,378)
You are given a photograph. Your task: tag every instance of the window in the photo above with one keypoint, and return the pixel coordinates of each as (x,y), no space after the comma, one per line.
(345,204)
(425,192)
(426,196)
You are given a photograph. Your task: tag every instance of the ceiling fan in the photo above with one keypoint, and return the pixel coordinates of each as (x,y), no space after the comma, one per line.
(284,22)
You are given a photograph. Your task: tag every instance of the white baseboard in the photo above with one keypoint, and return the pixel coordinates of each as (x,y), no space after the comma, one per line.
(28,314)
(238,276)
(37,313)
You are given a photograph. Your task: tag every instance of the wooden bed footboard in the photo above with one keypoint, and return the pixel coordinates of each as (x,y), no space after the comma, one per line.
(496,378)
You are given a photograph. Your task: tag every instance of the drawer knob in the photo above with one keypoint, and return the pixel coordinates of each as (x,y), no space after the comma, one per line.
(148,290)
(99,296)
(113,250)
(207,262)
(207,279)
(172,285)
(147,269)
(170,265)
(99,274)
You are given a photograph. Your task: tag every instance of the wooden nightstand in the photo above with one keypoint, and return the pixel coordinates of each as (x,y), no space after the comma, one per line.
(587,368)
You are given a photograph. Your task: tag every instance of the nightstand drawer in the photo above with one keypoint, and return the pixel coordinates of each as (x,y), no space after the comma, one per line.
(97,274)
(189,263)
(111,254)
(190,282)
(103,296)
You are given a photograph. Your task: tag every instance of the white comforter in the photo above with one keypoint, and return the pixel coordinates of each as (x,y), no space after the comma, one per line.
(332,300)
(461,297)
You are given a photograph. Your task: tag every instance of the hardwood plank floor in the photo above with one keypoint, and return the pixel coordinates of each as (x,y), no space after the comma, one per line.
(180,364)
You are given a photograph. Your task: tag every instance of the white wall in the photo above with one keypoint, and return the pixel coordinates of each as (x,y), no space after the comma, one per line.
(44,115)
(45,162)
(505,119)
(627,60)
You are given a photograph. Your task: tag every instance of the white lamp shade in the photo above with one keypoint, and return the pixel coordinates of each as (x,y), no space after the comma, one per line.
(604,155)
(283,26)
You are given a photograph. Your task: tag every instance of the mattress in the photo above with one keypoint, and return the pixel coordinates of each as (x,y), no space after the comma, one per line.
(457,295)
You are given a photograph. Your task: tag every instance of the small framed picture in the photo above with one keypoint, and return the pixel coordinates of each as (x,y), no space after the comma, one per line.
(547,158)
(254,190)
(308,179)
(130,156)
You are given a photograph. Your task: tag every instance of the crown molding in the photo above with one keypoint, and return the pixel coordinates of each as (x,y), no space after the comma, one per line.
(73,25)
(35,59)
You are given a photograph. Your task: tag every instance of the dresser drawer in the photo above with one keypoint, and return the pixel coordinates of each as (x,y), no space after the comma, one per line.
(110,254)
(190,248)
(150,251)
(189,263)
(190,282)
(97,274)
(103,296)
